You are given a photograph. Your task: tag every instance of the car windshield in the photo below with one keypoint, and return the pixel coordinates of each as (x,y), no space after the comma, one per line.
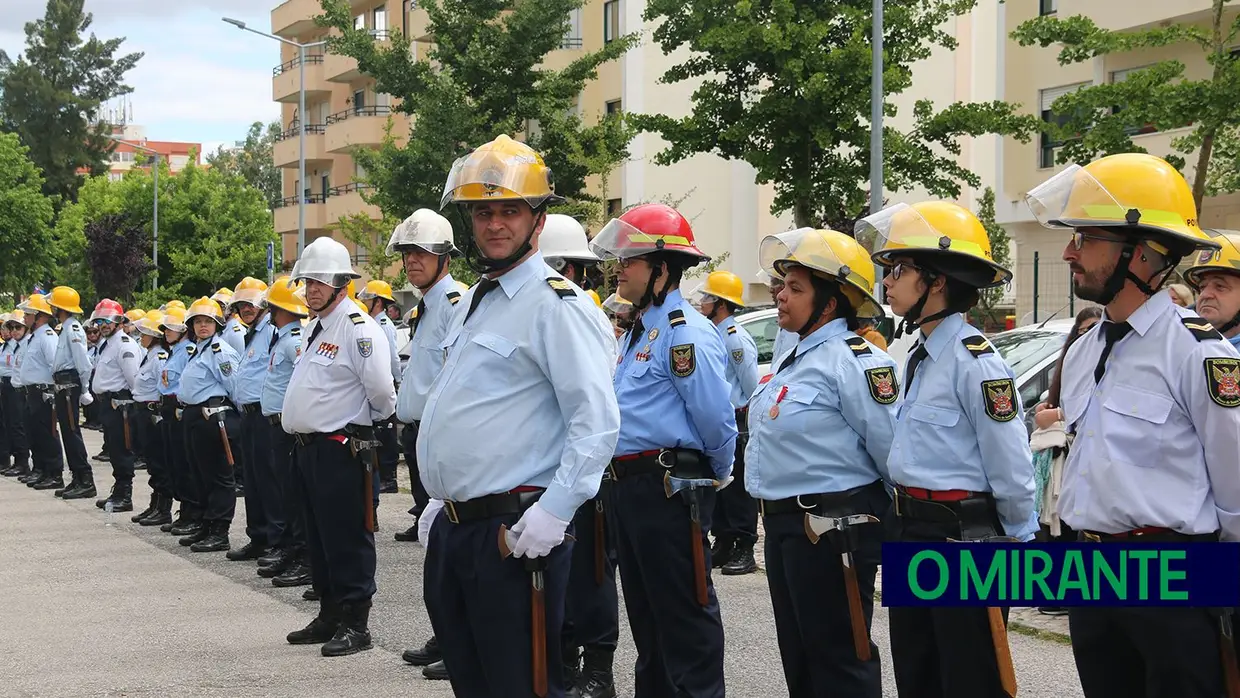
(763,330)
(1025,349)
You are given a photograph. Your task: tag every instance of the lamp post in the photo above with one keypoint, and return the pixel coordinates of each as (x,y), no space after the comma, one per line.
(876,127)
(301,122)
(155,215)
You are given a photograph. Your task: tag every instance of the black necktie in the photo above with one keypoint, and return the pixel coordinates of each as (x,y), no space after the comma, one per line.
(249,336)
(275,339)
(635,333)
(1114,332)
(918,355)
(417,318)
(791,358)
(318,327)
(484,287)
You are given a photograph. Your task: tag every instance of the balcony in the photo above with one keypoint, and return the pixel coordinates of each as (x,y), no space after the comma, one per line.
(288,147)
(343,68)
(346,200)
(293,18)
(286,80)
(1137,13)
(286,213)
(359,126)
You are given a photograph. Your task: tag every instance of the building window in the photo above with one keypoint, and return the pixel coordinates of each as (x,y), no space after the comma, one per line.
(613,107)
(1048,7)
(613,208)
(1046,142)
(379,27)
(1118,76)
(611,20)
(359,101)
(359,22)
(572,35)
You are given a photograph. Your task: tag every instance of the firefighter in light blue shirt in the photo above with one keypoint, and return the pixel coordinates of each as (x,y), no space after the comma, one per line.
(784,340)
(735,524)
(235,329)
(12,395)
(147,420)
(377,296)
(677,444)
(185,484)
(35,375)
(1215,277)
(960,461)
(820,433)
(208,385)
(71,370)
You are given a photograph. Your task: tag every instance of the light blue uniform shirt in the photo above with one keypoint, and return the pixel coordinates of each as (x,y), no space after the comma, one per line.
(742,373)
(170,379)
(234,335)
(281,356)
(150,371)
(532,364)
(210,372)
(71,351)
(962,427)
(835,420)
(254,363)
(426,357)
(8,358)
(1235,341)
(36,365)
(784,342)
(683,406)
(23,348)
(389,331)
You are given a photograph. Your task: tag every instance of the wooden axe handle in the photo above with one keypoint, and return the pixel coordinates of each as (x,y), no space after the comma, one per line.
(1003,652)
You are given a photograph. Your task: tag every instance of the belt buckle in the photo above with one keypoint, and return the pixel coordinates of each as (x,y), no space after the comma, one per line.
(450,508)
(762,507)
(670,457)
(802,504)
(896,501)
(1091,537)
(611,468)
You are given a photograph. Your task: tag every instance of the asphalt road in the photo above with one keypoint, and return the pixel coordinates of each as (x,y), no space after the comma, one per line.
(95,605)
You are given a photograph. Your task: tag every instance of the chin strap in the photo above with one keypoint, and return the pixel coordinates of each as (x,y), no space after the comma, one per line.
(330,300)
(485,265)
(1229,325)
(1123,272)
(648,296)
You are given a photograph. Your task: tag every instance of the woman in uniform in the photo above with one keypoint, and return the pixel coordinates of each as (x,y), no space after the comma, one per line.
(819,434)
(172,431)
(146,421)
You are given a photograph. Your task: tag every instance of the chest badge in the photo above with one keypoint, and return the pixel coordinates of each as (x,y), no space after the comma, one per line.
(1223,381)
(654,334)
(774,411)
(328,350)
(1000,399)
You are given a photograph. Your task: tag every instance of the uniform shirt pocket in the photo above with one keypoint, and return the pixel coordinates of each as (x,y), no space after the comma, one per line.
(928,438)
(796,411)
(1133,420)
(938,416)
(488,363)
(321,360)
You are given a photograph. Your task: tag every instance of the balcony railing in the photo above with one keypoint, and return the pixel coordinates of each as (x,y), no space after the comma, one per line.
(348,188)
(292,200)
(291,131)
(289,65)
(571,42)
(373,110)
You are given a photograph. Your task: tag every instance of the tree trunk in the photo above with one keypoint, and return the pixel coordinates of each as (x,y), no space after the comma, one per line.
(1209,132)
(802,212)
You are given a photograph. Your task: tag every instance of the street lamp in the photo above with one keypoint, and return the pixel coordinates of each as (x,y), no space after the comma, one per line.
(301,122)
(155,215)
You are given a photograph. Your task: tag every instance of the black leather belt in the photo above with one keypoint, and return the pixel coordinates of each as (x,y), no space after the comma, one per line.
(827,503)
(307,439)
(151,405)
(979,505)
(274,419)
(490,506)
(38,388)
(687,463)
(252,408)
(68,376)
(1150,534)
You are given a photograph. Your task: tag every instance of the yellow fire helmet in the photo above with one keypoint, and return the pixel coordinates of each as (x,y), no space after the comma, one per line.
(66,299)
(946,236)
(173,304)
(616,304)
(205,307)
(149,323)
(502,170)
(174,319)
(1225,260)
(283,295)
(1131,193)
(829,254)
(725,285)
(135,315)
(249,290)
(376,289)
(594,297)
(37,303)
(222,296)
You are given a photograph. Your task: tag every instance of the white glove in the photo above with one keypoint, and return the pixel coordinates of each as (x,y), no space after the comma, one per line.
(86,399)
(725,482)
(537,532)
(429,514)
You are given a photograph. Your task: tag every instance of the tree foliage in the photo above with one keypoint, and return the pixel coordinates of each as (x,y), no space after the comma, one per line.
(1101,119)
(252,160)
(370,238)
(116,251)
(1000,250)
(785,86)
(25,220)
(481,78)
(51,95)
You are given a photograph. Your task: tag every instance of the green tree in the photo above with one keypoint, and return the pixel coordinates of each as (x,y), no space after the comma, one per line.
(785,86)
(1091,120)
(252,159)
(25,220)
(481,78)
(117,252)
(1000,250)
(50,96)
(370,238)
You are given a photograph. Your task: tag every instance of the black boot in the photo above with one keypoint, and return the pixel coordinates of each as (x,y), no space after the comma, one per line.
(321,629)
(311,595)
(73,484)
(249,551)
(572,670)
(216,541)
(426,654)
(51,482)
(409,535)
(353,635)
(18,470)
(721,551)
(181,520)
(121,497)
(275,555)
(195,532)
(295,576)
(278,564)
(85,488)
(162,514)
(101,503)
(437,671)
(188,524)
(596,677)
(137,518)
(31,477)
(742,561)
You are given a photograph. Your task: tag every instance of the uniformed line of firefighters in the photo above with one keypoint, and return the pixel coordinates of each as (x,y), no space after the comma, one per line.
(549,447)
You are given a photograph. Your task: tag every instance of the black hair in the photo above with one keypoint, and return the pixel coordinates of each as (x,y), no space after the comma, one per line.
(824,290)
(960,296)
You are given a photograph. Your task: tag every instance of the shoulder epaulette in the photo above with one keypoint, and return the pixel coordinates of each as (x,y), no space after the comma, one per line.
(50,331)
(858,345)
(162,354)
(977,345)
(454,297)
(676,318)
(191,350)
(295,331)
(1200,328)
(357,318)
(561,287)
(126,338)
(732,329)
(215,347)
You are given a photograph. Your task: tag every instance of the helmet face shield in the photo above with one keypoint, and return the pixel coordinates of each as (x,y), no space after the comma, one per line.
(829,254)
(619,240)
(502,170)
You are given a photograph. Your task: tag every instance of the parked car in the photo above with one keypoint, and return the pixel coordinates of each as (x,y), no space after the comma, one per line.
(1032,352)
(763,325)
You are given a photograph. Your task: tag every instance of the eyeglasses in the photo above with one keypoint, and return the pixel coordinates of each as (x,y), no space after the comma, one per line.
(898,270)
(627,262)
(1079,238)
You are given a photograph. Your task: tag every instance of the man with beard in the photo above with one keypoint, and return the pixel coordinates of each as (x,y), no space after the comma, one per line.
(1151,394)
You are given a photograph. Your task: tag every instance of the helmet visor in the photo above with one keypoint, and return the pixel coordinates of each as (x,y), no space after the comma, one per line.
(491,176)
(253,296)
(616,304)
(619,240)
(811,249)
(901,226)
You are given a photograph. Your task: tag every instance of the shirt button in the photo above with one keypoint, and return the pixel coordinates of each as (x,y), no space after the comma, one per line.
(1090,434)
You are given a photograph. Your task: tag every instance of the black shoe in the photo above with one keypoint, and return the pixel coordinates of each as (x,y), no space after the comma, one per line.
(283,563)
(17,471)
(160,517)
(296,576)
(320,630)
(85,490)
(139,464)
(311,595)
(721,551)
(388,487)
(1052,610)
(137,518)
(249,551)
(409,535)
(437,671)
(73,484)
(215,542)
(596,676)
(119,503)
(424,655)
(571,657)
(102,457)
(353,635)
(187,526)
(742,561)
(197,532)
(50,484)
(274,556)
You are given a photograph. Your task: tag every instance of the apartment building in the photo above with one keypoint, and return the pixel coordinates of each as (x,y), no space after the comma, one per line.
(125,156)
